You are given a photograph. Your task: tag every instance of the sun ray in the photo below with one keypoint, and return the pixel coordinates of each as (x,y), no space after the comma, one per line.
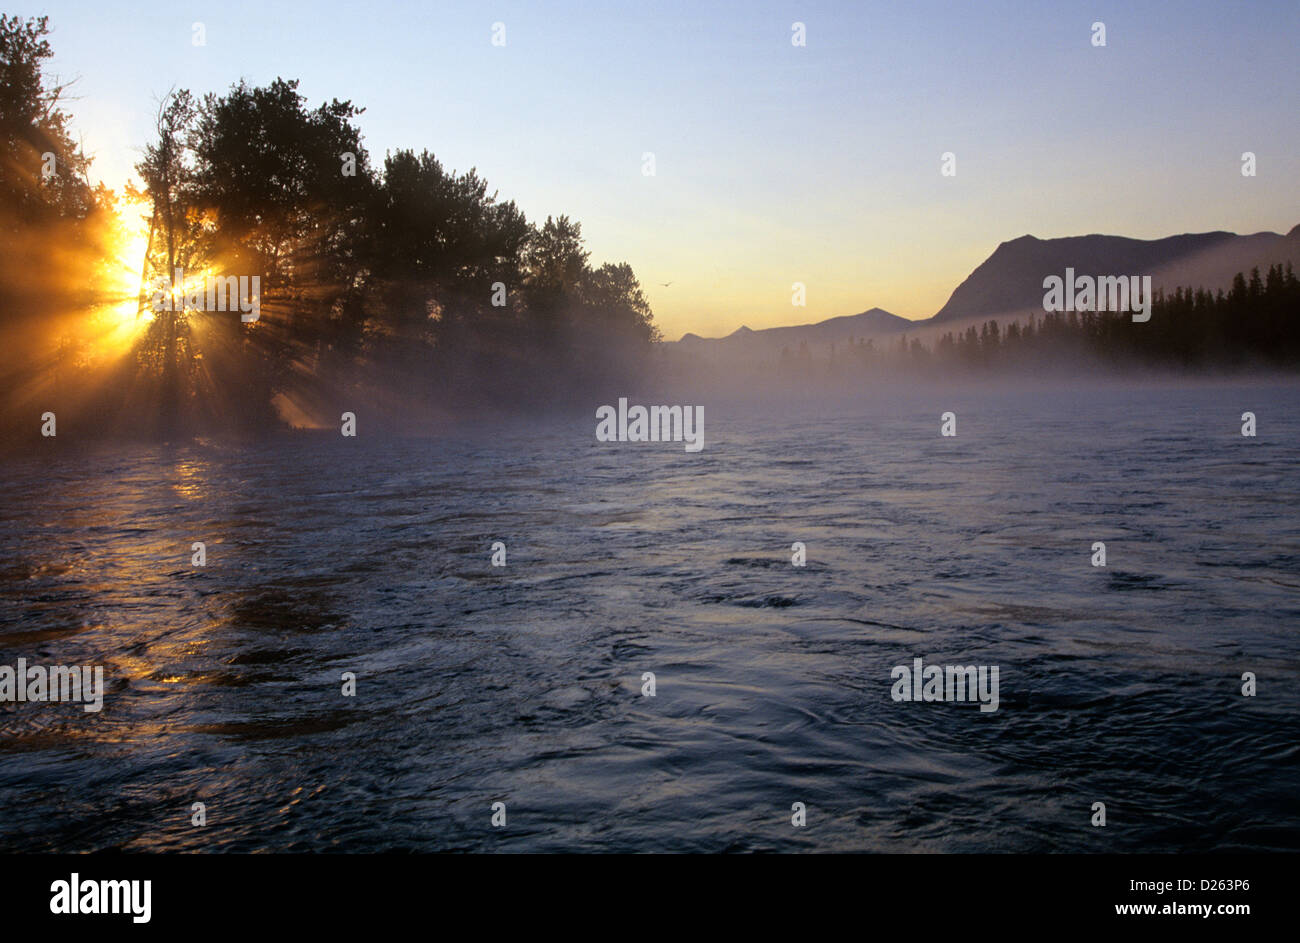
(123,316)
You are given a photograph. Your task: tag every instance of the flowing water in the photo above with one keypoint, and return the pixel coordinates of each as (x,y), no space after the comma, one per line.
(523,684)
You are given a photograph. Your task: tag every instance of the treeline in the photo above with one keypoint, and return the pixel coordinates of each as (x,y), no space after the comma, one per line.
(404,289)
(1253,325)
(56,230)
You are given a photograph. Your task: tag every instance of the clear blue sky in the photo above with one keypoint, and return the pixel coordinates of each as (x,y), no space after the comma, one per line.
(774,163)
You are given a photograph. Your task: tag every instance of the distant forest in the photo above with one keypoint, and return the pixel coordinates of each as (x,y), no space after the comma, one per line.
(405,285)
(1253,325)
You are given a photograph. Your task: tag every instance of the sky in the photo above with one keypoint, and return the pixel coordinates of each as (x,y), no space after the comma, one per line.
(773,163)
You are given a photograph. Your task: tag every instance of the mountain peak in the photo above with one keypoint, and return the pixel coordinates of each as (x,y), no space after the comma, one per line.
(1010,281)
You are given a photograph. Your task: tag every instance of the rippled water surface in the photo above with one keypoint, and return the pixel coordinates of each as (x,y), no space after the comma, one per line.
(523,685)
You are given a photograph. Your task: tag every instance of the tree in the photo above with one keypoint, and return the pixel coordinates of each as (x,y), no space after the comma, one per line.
(283,192)
(556,261)
(54,229)
(32,125)
(273,178)
(439,242)
(615,304)
(168,175)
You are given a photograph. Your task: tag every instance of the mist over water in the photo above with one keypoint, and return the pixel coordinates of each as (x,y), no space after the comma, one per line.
(522,684)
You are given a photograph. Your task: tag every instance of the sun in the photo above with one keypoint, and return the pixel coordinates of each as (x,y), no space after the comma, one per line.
(121,317)
(132,246)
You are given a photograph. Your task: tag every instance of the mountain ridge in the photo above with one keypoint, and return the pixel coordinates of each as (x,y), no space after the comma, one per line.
(1009,283)
(1010,280)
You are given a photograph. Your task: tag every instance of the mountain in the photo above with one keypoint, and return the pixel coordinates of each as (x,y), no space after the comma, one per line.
(747,344)
(1010,281)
